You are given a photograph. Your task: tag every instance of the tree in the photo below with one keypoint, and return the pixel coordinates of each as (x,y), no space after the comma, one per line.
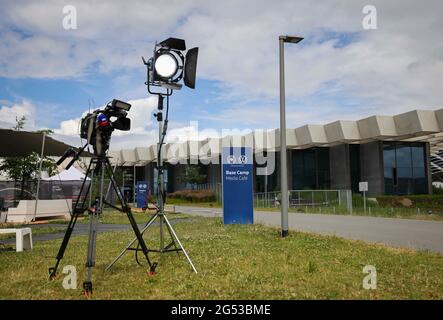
(46,131)
(26,169)
(19,123)
(192,175)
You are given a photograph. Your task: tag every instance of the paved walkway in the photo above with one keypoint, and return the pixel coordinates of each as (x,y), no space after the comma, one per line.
(417,234)
(80,229)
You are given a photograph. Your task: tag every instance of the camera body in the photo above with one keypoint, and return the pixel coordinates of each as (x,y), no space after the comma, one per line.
(96,127)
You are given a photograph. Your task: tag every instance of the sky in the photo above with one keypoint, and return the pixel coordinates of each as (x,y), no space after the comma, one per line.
(341,70)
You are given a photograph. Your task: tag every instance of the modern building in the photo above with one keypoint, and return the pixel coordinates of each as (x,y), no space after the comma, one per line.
(392,153)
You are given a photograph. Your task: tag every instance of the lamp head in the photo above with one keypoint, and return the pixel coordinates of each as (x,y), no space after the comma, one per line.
(169,65)
(290,39)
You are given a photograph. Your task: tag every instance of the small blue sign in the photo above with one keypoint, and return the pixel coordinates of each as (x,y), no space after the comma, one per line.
(237,185)
(142,194)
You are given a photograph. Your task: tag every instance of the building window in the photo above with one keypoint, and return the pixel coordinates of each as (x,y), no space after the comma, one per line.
(354,156)
(404,168)
(310,169)
(267,183)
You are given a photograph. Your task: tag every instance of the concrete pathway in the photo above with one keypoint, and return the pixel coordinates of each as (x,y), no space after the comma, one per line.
(80,229)
(409,233)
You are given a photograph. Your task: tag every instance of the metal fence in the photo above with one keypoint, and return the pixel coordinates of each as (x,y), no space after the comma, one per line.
(11,192)
(305,199)
(308,200)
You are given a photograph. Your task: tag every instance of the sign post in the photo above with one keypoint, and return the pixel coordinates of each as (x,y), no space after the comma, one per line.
(142,194)
(237,175)
(363,187)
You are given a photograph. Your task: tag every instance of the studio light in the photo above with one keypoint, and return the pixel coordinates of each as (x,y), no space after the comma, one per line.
(169,65)
(166,65)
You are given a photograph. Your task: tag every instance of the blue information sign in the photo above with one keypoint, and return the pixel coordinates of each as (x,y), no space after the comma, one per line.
(142,194)
(237,178)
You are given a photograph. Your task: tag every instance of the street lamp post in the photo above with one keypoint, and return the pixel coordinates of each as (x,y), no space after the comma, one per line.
(283,160)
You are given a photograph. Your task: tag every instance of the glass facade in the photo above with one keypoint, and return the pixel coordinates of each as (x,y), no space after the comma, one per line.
(401,170)
(310,169)
(405,168)
(270,182)
(354,157)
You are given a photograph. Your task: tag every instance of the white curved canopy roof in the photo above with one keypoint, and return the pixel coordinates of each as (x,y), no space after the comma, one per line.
(416,125)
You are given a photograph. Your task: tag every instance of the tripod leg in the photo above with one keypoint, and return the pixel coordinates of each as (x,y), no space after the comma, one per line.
(90,260)
(76,212)
(179,243)
(61,251)
(94,213)
(148,224)
(127,210)
(173,240)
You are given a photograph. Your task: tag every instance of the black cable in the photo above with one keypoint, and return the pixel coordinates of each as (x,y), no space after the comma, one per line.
(136,254)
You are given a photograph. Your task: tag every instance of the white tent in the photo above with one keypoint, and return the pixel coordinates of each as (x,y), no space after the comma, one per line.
(72,174)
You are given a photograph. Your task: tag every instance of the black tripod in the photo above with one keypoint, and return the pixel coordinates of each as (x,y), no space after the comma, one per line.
(101,166)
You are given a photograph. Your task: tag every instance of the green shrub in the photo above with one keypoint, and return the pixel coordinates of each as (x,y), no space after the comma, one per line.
(417,201)
(194,195)
(437,190)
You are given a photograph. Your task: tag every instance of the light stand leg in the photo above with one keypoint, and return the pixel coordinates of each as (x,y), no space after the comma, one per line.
(148,224)
(179,243)
(126,209)
(173,240)
(162,241)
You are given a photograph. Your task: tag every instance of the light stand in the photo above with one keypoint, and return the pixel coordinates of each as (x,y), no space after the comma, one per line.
(165,69)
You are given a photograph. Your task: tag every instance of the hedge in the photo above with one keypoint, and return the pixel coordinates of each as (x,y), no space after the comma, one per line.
(412,201)
(194,195)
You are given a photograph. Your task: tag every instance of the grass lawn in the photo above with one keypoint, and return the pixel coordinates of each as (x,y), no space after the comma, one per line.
(234,262)
(402,213)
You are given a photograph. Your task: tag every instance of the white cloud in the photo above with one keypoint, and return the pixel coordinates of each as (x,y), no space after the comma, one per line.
(190,132)
(69,127)
(9,114)
(338,71)
(38,45)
